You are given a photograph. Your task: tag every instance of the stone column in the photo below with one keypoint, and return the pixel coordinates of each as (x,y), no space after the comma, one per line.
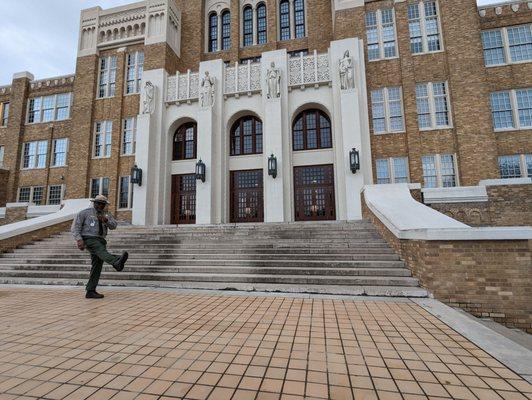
(274,132)
(351,129)
(292,21)
(254,11)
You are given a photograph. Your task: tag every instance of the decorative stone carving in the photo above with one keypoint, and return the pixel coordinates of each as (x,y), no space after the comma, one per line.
(347,75)
(515,7)
(498,10)
(482,13)
(273,81)
(207,90)
(148,104)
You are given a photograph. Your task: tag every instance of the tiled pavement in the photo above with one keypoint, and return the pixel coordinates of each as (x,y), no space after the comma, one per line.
(54,344)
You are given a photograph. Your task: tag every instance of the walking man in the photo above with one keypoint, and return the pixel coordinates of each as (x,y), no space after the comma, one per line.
(89,230)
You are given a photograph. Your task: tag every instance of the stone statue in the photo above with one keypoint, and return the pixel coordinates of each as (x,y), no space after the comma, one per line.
(207,90)
(347,74)
(148,104)
(273,80)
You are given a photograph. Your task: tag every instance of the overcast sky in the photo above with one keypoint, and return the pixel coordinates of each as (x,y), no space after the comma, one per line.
(40,36)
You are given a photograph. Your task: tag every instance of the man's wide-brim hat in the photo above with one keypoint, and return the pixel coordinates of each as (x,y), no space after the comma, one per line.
(100,199)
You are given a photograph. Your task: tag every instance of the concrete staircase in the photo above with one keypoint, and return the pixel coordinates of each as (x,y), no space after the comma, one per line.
(327,257)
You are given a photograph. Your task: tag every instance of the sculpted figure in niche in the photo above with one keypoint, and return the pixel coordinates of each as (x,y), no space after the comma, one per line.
(149,95)
(273,80)
(347,73)
(207,90)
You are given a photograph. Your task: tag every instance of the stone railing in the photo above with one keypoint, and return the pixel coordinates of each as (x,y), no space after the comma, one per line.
(123,25)
(5,89)
(54,81)
(244,78)
(309,70)
(183,87)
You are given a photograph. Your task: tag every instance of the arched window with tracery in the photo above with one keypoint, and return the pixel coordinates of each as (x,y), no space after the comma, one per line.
(299,18)
(248,26)
(262,36)
(213,32)
(226,30)
(312,130)
(185,142)
(246,136)
(284,19)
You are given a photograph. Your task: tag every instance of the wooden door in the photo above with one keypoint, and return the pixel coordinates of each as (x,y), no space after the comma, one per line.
(246,197)
(184,199)
(314,193)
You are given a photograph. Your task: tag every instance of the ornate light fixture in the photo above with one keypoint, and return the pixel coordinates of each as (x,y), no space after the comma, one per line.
(272,166)
(200,170)
(354,160)
(136,175)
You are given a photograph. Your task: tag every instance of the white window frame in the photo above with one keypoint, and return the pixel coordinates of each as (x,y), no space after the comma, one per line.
(387,116)
(438,164)
(432,107)
(522,165)
(107,89)
(138,75)
(54,145)
(424,41)
(103,134)
(2,155)
(380,36)
(32,190)
(35,155)
(391,169)
(515,112)
(55,109)
(505,46)
(4,119)
(49,191)
(100,185)
(134,137)
(129,195)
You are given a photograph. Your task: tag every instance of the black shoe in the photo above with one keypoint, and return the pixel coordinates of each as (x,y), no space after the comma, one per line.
(119,264)
(93,295)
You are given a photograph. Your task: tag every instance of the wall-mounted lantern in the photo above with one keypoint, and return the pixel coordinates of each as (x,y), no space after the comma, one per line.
(136,175)
(200,170)
(354,160)
(272,166)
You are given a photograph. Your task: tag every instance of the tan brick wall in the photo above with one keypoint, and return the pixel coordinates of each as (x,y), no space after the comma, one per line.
(4,178)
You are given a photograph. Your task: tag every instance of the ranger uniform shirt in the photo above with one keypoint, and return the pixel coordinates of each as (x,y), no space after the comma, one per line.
(86,224)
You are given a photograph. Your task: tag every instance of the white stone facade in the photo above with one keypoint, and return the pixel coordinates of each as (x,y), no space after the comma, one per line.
(307,82)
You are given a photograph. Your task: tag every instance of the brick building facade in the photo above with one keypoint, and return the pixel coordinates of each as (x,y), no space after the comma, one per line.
(448,89)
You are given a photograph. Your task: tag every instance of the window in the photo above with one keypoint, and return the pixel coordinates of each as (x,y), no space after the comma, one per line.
(298,53)
(433,105)
(4,113)
(246,136)
(55,194)
(512,109)
(226,30)
(2,156)
(125,198)
(284,20)
(392,170)
(49,108)
(262,36)
(213,32)
(59,152)
(299,16)
(129,136)
(507,45)
(33,195)
(424,27)
(185,142)
(135,67)
(439,170)
(387,110)
(247,27)
(102,139)
(99,186)
(34,154)
(515,166)
(250,60)
(312,130)
(380,33)
(107,78)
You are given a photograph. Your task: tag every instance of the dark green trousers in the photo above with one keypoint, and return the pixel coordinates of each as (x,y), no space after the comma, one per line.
(99,254)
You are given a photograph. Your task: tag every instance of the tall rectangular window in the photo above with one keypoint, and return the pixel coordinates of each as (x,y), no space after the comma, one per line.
(392,170)
(135,67)
(37,195)
(102,139)
(24,195)
(433,107)
(107,77)
(34,154)
(125,198)
(299,18)
(511,109)
(59,152)
(424,27)
(387,110)
(380,33)
(49,108)
(99,186)
(284,19)
(55,194)
(2,156)
(4,113)
(507,45)
(129,133)
(439,170)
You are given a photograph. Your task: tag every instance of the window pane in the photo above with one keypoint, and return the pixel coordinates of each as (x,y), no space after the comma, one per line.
(493,47)
(261,24)
(510,166)
(124,192)
(383,172)
(37,195)
(524,107)
(501,109)
(400,170)
(226,30)
(24,195)
(54,194)
(299,16)
(284,19)
(213,32)
(447,170)
(248,26)
(105,187)
(528,162)
(429,171)
(520,41)
(95,188)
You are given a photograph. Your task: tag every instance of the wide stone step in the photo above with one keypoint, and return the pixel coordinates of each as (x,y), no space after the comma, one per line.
(388,291)
(237,278)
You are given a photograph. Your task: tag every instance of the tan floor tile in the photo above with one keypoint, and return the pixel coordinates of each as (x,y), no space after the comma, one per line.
(199,392)
(220,393)
(178,389)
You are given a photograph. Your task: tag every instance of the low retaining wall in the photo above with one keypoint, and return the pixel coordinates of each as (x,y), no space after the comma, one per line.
(488,278)
(13,242)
